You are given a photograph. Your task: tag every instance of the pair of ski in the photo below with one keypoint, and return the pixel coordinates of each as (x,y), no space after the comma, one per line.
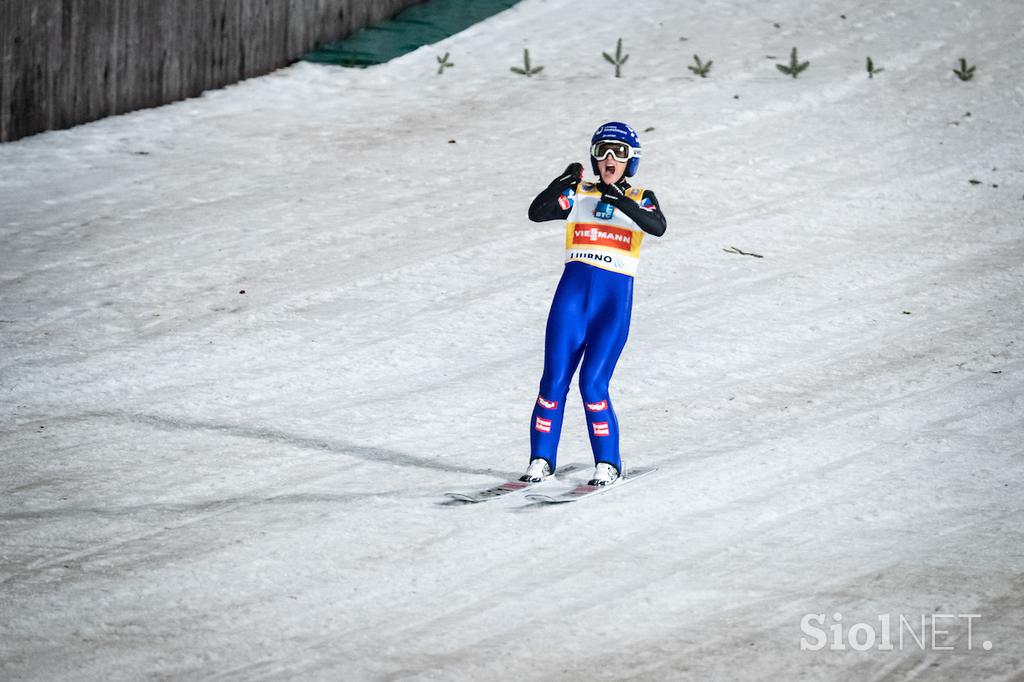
(573,494)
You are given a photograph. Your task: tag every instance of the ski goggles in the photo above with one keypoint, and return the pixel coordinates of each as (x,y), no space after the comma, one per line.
(620,151)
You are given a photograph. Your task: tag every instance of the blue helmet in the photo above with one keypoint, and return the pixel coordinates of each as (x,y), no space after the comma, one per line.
(620,132)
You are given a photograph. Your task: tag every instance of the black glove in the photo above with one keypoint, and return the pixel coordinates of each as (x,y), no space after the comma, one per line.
(611,194)
(572,175)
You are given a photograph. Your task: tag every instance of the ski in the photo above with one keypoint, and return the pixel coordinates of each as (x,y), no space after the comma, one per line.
(585,490)
(509,487)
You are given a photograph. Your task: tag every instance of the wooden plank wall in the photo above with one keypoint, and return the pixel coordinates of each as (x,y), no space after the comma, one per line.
(64,62)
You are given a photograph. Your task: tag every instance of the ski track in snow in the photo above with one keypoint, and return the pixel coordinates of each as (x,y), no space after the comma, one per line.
(199,483)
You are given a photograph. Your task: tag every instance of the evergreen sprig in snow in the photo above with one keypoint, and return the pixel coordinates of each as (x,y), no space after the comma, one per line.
(526,70)
(964,73)
(619,58)
(700,68)
(795,67)
(444,63)
(871,68)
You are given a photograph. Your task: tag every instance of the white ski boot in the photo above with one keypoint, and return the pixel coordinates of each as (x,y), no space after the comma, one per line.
(604,474)
(539,470)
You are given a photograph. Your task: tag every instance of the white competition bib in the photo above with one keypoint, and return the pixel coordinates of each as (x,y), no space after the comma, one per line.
(611,243)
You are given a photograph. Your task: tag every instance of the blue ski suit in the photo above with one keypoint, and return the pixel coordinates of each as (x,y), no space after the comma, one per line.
(590,312)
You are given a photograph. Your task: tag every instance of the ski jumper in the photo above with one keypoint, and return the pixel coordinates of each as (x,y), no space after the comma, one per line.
(590,312)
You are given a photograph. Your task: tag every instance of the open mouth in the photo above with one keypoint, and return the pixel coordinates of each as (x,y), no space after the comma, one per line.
(609,168)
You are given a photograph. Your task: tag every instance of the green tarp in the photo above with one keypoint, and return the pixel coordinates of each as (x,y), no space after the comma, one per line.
(411,28)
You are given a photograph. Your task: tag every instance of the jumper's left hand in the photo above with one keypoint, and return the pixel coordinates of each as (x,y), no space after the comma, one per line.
(611,194)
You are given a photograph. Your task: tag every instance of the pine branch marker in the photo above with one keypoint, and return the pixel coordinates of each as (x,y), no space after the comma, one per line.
(444,63)
(733,249)
(964,73)
(526,70)
(699,67)
(619,59)
(795,67)
(872,70)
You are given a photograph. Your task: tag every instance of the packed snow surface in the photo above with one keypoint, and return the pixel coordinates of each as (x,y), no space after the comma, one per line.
(202,483)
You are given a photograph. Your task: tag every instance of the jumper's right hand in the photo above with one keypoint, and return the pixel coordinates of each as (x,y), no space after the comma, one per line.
(572,175)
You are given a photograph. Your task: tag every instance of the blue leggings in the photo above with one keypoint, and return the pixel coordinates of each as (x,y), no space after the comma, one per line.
(589,319)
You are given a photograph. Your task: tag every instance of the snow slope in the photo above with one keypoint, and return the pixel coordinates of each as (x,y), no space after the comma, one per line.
(201,483)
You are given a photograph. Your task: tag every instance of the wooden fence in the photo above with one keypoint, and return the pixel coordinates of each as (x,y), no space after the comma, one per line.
(64,62)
